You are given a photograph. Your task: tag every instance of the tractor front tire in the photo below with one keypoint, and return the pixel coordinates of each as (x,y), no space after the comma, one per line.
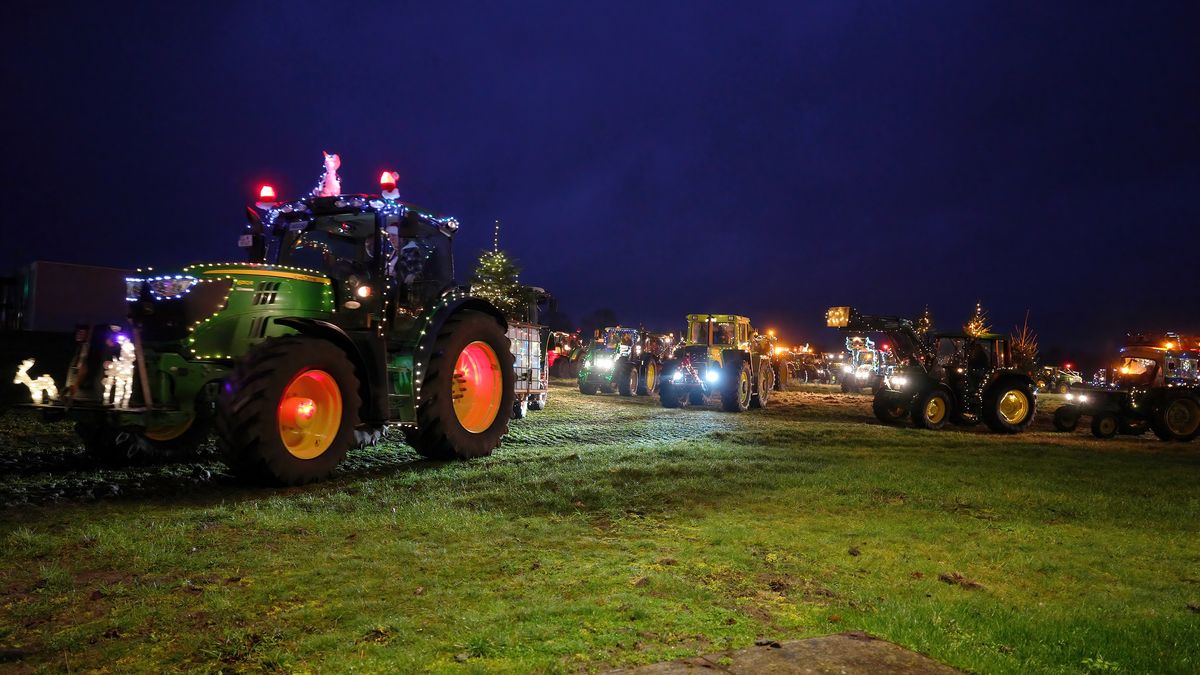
(889,409)
(736,394)
(289,411)
(466,396)
(1009,406)
(588,389)
(672,396)
(1104,425)
(932,409)
(1066,418)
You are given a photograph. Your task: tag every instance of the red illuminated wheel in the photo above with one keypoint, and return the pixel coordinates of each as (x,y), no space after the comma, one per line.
(466,396)
(289,411)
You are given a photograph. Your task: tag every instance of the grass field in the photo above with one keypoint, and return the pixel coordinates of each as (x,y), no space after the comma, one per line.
(610,532)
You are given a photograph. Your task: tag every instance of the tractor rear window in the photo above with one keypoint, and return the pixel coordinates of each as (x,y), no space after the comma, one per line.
(1136,371)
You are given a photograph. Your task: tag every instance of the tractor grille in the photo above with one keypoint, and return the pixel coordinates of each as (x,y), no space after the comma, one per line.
(265,293)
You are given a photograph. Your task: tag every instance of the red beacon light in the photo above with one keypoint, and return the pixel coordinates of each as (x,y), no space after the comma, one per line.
(387,184)
(266,198)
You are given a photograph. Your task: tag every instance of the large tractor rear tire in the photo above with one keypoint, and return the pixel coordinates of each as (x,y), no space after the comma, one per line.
(627,379)
(889,409)
(738,386)
(466,397)
(1176,417)
(1009,406)
(762,389)
(289,411)
(648,382)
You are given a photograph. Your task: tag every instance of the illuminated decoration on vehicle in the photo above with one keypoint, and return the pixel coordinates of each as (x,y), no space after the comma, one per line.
(41,390)
(387,185)
(117,385)
(266,198)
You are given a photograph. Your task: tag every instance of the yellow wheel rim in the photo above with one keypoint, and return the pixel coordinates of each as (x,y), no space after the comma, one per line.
(478,387)
(651,375)
(935,410)
(744,387)
(310,414)
(168,433)
(1014,406)
(1182,417)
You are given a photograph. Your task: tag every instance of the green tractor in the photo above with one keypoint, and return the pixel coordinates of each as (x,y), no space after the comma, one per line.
(345,320)
(721,355)
(625,360)
(945,377)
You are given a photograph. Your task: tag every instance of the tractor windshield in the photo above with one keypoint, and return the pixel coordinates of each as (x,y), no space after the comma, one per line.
(616,338)
(724,333)
(317,250)
(1136,372)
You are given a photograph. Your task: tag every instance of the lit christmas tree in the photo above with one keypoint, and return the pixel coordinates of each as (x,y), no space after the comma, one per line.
(925,323)
(497,280)
(978,324)
(1025,348)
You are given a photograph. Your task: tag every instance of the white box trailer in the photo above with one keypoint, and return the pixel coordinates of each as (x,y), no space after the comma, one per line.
(529,362)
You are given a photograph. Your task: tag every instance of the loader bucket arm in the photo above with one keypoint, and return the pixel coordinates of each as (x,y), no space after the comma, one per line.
(907,343)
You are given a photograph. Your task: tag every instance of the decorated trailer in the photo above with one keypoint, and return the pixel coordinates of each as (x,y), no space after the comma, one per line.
(345,319)
(531,381)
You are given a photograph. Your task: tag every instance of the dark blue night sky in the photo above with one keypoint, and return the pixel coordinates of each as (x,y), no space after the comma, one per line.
(656,158)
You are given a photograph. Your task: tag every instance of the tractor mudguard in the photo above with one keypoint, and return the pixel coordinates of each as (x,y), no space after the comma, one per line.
(451,304)
(366,353)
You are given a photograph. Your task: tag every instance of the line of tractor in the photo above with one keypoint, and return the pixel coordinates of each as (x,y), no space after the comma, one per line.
(346,319)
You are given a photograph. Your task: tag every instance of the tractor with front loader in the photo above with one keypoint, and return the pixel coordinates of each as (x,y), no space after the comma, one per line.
(945,377)
(625,360)
(346,319)
(721,356)
(1155,385)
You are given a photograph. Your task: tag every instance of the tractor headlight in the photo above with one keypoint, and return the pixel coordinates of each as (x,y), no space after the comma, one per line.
(604,362)
(847,368)
(899,381)
(677,376)
(862,374)
(171,287)
(712,376)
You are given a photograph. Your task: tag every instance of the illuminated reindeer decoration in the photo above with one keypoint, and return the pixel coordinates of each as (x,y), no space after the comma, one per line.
(42,390)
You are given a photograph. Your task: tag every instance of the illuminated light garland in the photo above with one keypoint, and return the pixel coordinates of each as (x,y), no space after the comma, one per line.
(41,390)
(117,385)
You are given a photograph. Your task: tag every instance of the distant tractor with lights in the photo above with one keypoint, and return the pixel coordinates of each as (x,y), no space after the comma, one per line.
(1057,380)
(346,319)
(1154,385)
(623,360)
(721,356)
(564,353)
(945,377)
(865,366)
